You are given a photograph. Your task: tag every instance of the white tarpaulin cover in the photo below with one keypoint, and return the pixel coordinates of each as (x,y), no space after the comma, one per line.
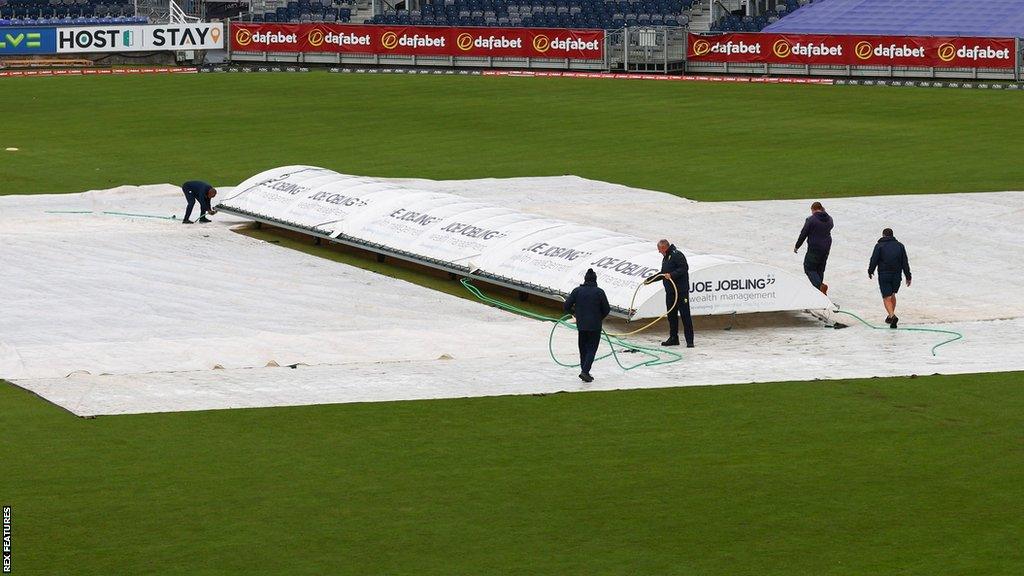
(520,248)
(106,313)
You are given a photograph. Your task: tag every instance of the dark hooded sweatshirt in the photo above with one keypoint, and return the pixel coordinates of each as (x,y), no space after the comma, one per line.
(817,231)
(588,303)
(890,257)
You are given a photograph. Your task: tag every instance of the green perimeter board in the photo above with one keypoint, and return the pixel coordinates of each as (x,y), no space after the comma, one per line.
(706,141)
(880,476)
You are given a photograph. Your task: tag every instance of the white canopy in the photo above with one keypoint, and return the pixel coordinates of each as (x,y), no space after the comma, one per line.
(516,247)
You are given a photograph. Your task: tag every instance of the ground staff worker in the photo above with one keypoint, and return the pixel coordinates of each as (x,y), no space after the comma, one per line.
(674,266)
(817,231)
(589,305)
(198,191)
(890,257)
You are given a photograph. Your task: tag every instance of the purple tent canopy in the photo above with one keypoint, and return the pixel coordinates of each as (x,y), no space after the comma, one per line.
(992,18)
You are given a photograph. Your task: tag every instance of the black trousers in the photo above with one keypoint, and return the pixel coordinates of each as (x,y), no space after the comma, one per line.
(814,267)
(681,310)
(192,198)
(588,340)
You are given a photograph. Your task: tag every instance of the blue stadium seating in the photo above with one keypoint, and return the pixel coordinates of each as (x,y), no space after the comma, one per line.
(307,11)
(67,12)
(734,23)
(1003,18)
(594,14)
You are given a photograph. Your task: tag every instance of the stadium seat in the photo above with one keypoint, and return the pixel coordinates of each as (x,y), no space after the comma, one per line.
(538,13)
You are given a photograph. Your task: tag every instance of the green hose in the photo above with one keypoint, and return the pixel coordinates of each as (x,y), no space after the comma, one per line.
(109,213)
(139,215)
(656,356)
(956,335)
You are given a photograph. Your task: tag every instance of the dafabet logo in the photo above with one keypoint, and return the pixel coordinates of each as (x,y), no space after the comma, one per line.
(243,37)
(947,52)
(541,43)
(863,50)
(315,37)
(389,40)
(728,47)
(781,48)
(464,41)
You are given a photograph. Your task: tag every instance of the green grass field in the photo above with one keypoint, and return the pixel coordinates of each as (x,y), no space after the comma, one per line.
(894,476)
(703,141)
(881,476)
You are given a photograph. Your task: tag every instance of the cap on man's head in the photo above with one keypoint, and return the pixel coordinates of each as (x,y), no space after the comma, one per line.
(817,206)
(590,276)
(887,232)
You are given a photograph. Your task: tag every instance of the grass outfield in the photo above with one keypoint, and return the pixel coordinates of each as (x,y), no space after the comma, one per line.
(881,476)
(701,140)
(897,476)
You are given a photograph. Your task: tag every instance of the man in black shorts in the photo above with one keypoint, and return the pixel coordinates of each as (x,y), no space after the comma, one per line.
(890,257)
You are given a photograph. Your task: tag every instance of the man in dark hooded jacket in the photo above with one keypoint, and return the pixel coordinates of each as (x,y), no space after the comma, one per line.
(817,231)
(589,305)
(674,266)
(890,257)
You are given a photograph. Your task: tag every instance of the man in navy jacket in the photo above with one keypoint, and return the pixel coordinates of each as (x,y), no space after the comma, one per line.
(817,231)
(589,305)
(674,266)
(198,191)
(890,257)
